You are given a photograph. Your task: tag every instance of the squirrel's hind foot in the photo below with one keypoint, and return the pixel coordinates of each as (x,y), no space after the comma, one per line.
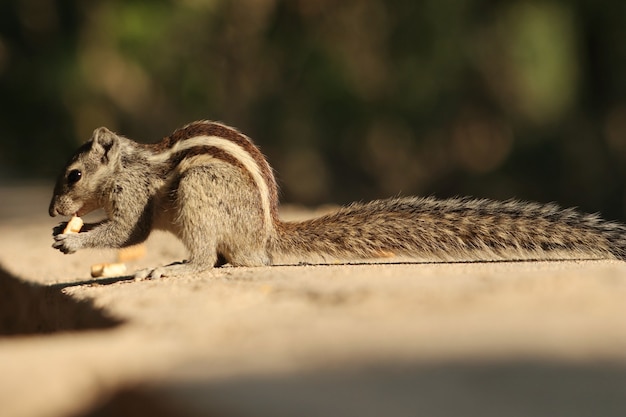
(175,269)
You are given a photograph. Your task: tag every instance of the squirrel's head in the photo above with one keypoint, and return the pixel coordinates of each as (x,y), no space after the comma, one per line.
(80,187)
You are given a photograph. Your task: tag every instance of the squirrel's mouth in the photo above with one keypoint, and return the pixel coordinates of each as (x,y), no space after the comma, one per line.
(65,208)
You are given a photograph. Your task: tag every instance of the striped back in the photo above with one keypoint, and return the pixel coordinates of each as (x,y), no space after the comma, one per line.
(218,141)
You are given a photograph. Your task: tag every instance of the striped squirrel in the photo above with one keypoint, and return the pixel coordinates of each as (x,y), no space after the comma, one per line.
(210,186)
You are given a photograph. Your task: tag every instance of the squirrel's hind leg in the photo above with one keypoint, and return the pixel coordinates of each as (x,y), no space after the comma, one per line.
(214,210)
(175,269)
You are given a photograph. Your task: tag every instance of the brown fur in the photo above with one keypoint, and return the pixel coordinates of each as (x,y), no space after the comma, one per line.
(204,184)
(454,229)
(217,129)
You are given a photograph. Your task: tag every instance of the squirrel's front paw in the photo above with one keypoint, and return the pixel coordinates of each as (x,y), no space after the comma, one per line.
(68,243)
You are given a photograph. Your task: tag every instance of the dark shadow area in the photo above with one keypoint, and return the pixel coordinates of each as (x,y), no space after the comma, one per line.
(443,262)
(93,281)
(491,389)
(27,309)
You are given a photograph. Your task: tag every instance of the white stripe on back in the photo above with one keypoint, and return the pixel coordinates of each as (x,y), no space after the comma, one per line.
(233,150)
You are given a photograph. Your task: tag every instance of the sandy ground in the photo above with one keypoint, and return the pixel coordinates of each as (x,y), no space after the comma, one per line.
(442,339)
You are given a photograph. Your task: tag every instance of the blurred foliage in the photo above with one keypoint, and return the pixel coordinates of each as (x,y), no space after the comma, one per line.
(350,99)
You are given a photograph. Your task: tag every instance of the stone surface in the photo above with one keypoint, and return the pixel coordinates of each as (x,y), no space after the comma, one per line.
(492,339)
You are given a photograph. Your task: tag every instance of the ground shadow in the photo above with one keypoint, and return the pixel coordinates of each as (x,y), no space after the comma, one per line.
(366,262)
(27,308)
(93,281)
(488,389)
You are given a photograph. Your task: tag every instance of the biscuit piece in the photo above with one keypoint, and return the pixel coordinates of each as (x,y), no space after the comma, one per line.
(74,225)
(108,270)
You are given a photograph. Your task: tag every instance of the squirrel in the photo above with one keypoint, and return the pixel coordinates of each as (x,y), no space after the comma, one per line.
(209,185)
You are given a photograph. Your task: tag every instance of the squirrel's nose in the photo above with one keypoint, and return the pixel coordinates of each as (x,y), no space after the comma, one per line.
(52,210)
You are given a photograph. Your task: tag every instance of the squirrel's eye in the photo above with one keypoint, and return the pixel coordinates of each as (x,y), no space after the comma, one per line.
(74,176)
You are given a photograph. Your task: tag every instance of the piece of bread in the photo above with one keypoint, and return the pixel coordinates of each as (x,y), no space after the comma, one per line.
(108,270)
(74,225)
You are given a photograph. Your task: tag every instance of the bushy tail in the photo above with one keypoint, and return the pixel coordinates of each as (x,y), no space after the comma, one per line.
(454,229)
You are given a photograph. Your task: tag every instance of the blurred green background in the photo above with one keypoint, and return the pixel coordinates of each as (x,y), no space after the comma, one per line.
(349,99)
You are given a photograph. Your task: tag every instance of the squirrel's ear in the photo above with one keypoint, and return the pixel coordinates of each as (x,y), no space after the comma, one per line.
(105,144)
